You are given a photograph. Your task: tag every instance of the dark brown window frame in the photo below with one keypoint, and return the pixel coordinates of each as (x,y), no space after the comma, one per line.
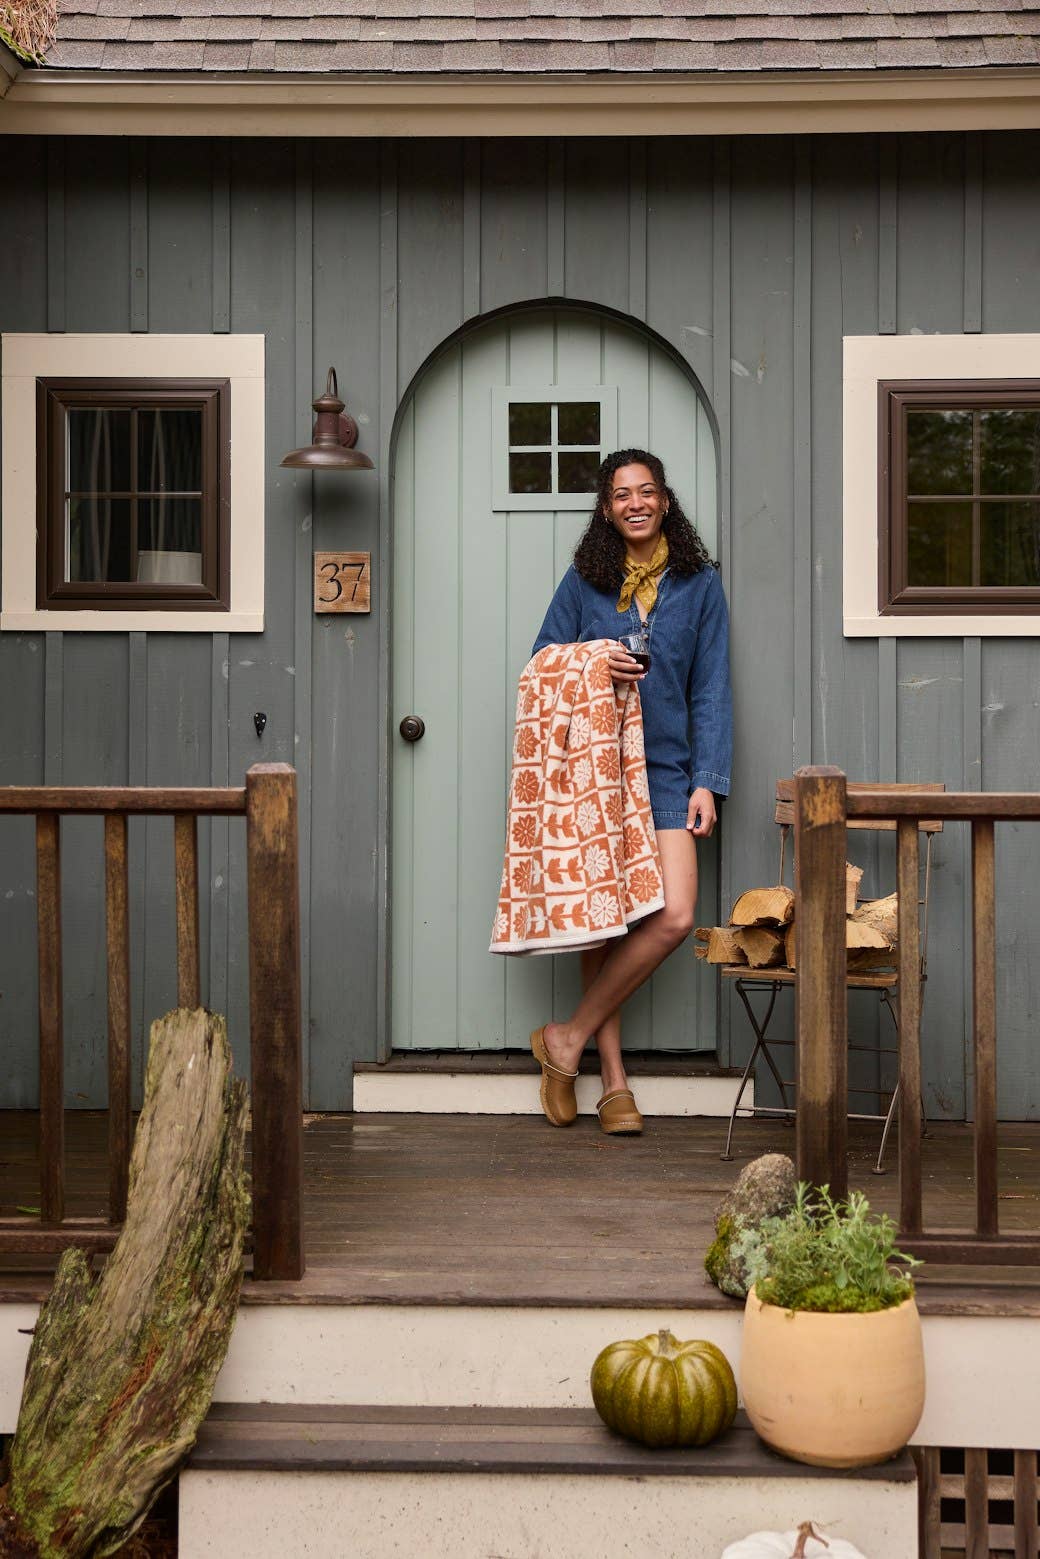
(54,398)
(895,397)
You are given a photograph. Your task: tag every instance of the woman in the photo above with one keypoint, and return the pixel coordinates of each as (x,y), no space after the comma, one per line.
(640,561)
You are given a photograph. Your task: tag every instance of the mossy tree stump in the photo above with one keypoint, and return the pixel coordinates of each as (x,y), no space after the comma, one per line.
(121,1370)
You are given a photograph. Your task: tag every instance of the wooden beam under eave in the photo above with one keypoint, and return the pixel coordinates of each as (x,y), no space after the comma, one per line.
(68,102)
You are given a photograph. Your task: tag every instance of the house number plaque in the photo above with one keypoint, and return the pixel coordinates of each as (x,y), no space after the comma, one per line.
(343,581)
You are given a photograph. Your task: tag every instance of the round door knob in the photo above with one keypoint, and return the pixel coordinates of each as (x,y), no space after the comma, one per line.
(412,728)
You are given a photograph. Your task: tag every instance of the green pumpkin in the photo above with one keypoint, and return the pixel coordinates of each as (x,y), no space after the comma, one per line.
(661,1392)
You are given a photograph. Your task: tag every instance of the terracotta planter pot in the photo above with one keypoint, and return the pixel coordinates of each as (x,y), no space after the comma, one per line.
(833,1390)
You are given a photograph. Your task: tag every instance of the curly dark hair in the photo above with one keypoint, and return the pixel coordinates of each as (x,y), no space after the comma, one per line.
(600,554)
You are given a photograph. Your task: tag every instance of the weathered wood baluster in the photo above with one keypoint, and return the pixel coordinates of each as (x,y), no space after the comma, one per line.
(274,1020)
(117,927)
(984,1018)
(909,935)
(52,1049)
(976,1504)
(821,1013)
(186,872)
(1027,1532)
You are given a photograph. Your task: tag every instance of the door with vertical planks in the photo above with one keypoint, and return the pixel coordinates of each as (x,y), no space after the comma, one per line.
(496,452)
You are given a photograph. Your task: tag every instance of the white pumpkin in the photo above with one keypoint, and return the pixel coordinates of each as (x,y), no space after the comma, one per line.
(806,1543)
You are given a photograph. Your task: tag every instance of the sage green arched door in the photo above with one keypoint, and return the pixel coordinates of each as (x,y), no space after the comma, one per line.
(527,401)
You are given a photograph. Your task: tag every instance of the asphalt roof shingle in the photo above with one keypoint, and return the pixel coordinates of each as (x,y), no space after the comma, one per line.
(490,37)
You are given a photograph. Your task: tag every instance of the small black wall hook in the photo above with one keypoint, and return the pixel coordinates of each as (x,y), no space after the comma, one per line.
(260,721)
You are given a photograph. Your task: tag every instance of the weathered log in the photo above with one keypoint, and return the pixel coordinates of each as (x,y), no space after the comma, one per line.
(853,878)
(719,945)
(764,907)
(763,946)
(881,915)
(121,1371)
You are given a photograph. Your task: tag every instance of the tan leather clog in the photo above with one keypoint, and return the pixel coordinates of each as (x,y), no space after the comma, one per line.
(557,1090)
(618,1114)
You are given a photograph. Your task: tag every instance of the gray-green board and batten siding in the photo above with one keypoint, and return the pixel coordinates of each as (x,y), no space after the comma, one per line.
(750,258)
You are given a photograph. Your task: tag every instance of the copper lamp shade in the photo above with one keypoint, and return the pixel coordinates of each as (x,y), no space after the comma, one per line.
(334,437)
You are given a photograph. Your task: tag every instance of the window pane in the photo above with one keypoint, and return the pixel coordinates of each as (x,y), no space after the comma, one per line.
(579,424)
(1010,451)
(939,543)
(98,540)
(938,452)
(1011,544)
(529,423)
(530,473)
(98,450)
(578,472)
(169,525)
(169,451)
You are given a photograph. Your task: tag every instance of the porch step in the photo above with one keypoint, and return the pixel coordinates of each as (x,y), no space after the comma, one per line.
(319,1482)
(505,1083)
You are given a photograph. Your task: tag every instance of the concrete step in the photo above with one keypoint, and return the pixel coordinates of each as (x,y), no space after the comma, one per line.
(469,1483)
(505,1083)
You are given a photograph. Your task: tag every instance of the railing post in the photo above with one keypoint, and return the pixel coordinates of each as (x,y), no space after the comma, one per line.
(908,938)
(820,1000)
(274,1021)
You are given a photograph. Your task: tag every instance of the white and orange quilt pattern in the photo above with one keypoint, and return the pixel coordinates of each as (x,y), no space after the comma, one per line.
(581,861)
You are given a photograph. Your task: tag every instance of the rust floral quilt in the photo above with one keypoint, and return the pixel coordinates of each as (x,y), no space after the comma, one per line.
(581,862)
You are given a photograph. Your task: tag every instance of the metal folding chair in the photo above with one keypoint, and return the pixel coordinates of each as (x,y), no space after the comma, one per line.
(768,983)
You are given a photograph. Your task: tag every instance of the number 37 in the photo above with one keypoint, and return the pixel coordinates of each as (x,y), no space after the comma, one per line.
(342,581)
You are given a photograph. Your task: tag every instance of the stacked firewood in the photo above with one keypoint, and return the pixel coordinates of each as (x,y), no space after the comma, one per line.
(761,931)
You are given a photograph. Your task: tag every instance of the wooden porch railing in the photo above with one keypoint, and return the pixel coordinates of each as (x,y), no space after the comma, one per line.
(268,803)
(823,806)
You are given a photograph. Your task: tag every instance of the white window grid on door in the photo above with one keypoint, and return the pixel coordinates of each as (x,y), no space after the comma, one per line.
(502,396)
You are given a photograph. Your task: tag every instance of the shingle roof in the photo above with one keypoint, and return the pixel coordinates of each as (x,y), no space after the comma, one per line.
(515,36)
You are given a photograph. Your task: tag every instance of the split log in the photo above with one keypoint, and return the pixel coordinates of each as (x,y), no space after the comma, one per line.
(881,915)
(764,907)
(790,947)
(853,878)
(763,946)
(121,1371)
(719,945)
(871,960)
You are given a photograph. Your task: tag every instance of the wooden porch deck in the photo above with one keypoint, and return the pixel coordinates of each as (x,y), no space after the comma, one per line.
(479,1209)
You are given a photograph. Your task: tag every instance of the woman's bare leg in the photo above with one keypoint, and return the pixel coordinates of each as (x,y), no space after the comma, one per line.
(632,959)
(608,1035)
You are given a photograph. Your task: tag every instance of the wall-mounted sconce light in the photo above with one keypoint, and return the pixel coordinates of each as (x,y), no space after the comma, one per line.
(334,437)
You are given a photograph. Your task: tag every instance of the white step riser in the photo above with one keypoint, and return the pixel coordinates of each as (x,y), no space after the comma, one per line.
(459,1093)
(983,1373)
(510,1516)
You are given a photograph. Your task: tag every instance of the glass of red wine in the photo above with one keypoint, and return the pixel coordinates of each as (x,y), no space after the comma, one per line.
(638,646)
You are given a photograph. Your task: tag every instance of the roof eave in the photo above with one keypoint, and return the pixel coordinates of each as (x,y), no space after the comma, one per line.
(71,102)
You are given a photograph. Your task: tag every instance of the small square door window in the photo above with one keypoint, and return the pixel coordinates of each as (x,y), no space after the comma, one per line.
(550,444)
(134,502)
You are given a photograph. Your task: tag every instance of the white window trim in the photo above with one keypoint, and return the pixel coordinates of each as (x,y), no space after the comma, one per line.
(501,395)
(867,361)
(240,359)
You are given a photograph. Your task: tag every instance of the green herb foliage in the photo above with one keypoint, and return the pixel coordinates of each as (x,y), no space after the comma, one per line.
(827,1255)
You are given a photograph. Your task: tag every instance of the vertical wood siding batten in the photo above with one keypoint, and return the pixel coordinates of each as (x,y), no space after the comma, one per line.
(218,877)
(471,229)
(555,219)
(139,840)
(388,397)
(721,328)
(802,471)
(56,233)
(139,233)
(637,191)
(303,619)
(973,177)
(888,236)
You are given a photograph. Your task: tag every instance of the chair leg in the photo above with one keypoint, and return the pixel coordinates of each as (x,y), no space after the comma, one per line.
(760,1045)
(879,1168)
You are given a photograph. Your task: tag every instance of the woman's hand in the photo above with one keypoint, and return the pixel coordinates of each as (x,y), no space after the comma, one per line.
(700,815)
(623,666)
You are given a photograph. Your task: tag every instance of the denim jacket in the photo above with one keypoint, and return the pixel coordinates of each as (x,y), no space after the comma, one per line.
(687,704)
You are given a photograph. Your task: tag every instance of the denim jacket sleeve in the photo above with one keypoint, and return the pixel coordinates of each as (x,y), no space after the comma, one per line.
(711,701)
(562,623)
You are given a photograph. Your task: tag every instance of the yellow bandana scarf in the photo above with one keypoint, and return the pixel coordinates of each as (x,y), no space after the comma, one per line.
(641,578)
